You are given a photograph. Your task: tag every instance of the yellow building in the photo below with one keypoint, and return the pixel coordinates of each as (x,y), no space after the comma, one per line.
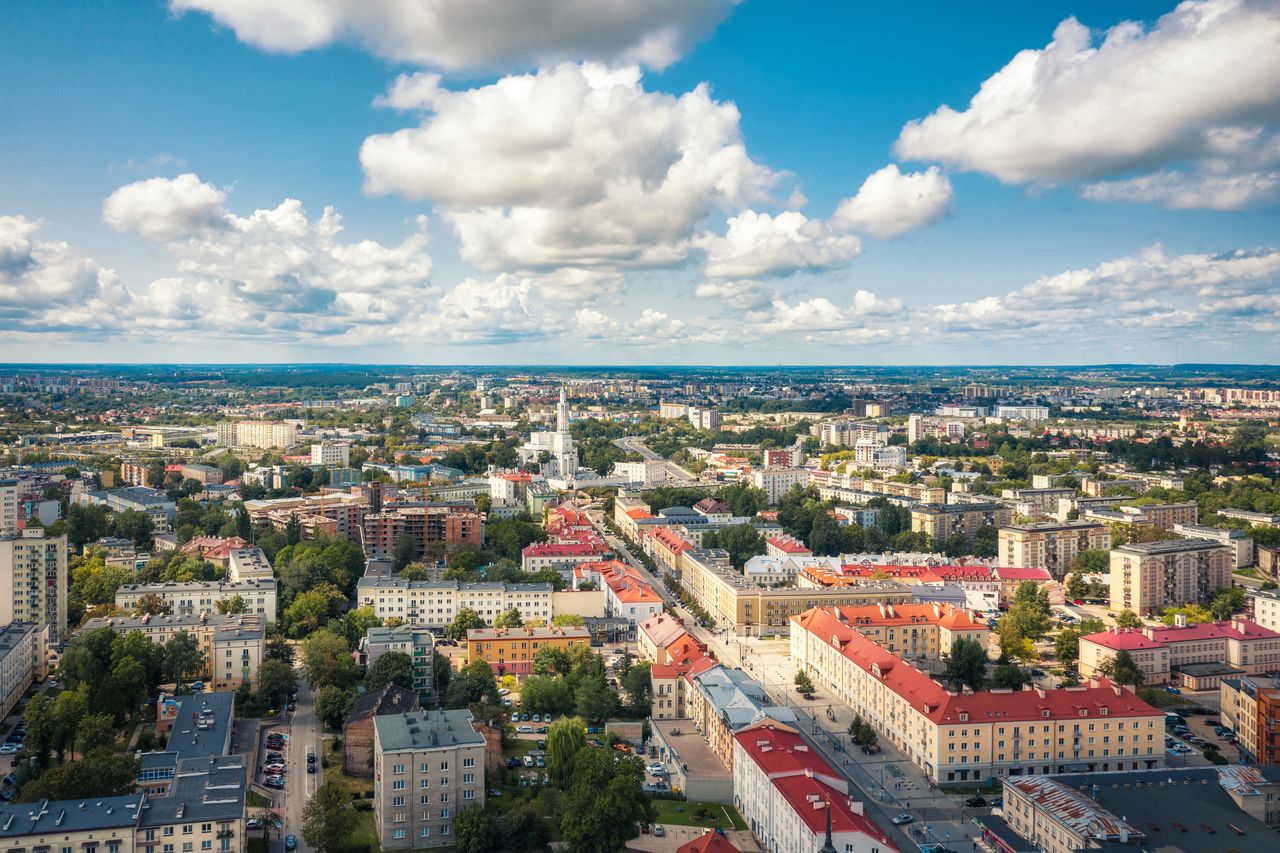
(941,521)
(511,650)
(1049,544)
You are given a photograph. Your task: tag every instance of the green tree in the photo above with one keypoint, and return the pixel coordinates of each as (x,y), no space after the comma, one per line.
(605,805)
(1066,646)
(96,775)
(1092,561)
(293,530)
(403,550)
(135,525)
(182,657)
(441,672)
(524,829)
(1128,619)
(825,537)
(41,727)
(329,818)
(1122,668)
(966,664)
(742,541)
(96,731)
(1008,675)
(152,604)
(639,689)
(233,605)
(509,619)
(327,661)
(803,682)
(594,700)
(565,739)
(473,830)
(474,683)
(567,620)
(311,609)
(541,694)
(127,687)
(390,668)
(276,681)
(466,620)
(331,707)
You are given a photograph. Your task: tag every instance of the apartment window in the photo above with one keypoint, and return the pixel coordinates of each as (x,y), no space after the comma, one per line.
(425,800)
(206,827)
(444,765)
(398,833)
(397,769)
(424,783)
(468,762)
(444,781)
(468,778)
(444,814)
(444,830)
(424,767)
(400,817)
(186,829)
(425,832)
(469,794)
(397,785)
(397,801)
(444,798)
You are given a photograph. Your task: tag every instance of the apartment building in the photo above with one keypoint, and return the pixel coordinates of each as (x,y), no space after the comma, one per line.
(746,607)
(511,650)
(1251,706)
(722,701)
(451,526)
(1256,519)
(338,515)
(628,596)
(1263,607)
(1233,647)
(1148,576)
(427,766)
(655,635)
(9,497)
(248,564)
(263,434)
(878,457)
(958,738)
(562,555)
(196,597)
(670,683)
(1157,516)
(922,492)
(33,580)
(418,643)
(917,631)
(776,482)
(434,604)
(230,646)
(357,729)
(1240,543)
(792,800)
(22,659)
(940,521)
(1049,544)
(1044,500)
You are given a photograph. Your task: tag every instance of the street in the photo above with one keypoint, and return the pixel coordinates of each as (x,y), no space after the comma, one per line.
(679,476)
(304,737)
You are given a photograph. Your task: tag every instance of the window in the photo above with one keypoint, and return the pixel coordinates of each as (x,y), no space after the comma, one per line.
(400,817)
(398,833)
(424,767)
(425,832)
(444,830)
(424,783)
(444,798)
(397,801)
(444,814)
(397,769)
(468,778)
(444,765)
(469,794)
(468,762)
(397,785)
(444,781)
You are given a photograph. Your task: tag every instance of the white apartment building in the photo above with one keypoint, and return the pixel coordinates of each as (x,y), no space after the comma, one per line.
(649,471)
(868,453)
(1240,543)
(776,482)
(1264,604)
(915,428)
(1023,413)
(1049,544)
(248,564)
(22,654)
(264,434)
(33,581)
(335,454)
(435,604)
(703,418)
(8,507)
(196,597)
(230,646)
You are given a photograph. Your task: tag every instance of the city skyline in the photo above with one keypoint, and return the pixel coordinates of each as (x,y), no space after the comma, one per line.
(706,182)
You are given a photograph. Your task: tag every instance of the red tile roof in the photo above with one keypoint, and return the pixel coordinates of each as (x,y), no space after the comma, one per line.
(942,706)
(712,842)
(788,545)
(1017,574)
(671,540)
(563,549)
(1126,639)
(1236,629)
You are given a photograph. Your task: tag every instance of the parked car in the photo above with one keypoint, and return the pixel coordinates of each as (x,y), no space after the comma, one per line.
(6,794)
(902,818)
(274,782)
(9,749)
(540,761)
(290,842)
(528,761)
(10,779)
(311,758)
(542,744)
(977,801)
(658,831)
(656,769)
(537,718)
(546,718)
(254,823)
(542,730)
(311,768)
(524,730)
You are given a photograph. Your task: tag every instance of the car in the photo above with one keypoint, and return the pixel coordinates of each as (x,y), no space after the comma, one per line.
(977,801)
(902,818)
(9,749)
(254,823)
(274,757)
(274,782)
(528,761)
(311,768)
(10,779)
(524,730)
(504,692)
(6,794)
(542,730)
(290,842)
(656,769)
(1169,688)
(506,703)
(546,718)
(1038,673)
(537,718)
(1214,723)
(996,802)
(542,744)
(616,652)
(311,758)
(658,831)
(540,761)
(274,769)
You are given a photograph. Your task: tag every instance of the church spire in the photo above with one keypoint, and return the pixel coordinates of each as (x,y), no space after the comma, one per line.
(828,847)
(562,413)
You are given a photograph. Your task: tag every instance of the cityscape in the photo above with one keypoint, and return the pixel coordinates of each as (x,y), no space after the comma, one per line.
(717,426)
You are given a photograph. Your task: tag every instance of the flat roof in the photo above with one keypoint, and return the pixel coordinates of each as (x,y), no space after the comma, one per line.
(427,730)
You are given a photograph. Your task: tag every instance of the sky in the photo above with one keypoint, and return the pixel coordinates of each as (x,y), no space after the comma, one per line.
(668,182)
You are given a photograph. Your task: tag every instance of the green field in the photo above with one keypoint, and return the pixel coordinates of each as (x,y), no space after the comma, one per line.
(680,813)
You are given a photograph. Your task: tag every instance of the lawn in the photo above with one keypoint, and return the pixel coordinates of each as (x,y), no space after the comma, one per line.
(256,800)
(680,813)
(365,833)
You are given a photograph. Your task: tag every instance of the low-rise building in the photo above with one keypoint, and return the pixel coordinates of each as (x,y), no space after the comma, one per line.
(941,521)
(511,650)
(723,701)
(793,800)
(1263,607)
(916,631)
(1149,576)
(230,646)
(357,729)
(22,659)
(971,737)
(1238,646)
(435,604)
(428,766)
(1256,519)
(248,564)
(196,597)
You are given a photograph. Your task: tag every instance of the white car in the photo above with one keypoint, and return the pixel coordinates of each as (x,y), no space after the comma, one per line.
(524,730)
(9,749)
(656,770)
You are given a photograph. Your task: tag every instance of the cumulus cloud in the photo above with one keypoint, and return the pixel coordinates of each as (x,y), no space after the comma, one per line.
(274,271)
(742,293)
(45,286)
(757,245)
(866,318)
(1138,101)
(165,208)
(485,34)
(890,203)
(1152,291)
(575,165)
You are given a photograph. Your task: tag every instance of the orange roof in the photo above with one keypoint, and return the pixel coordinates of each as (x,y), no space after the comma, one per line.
(712,842)
(877,615)
(639,513)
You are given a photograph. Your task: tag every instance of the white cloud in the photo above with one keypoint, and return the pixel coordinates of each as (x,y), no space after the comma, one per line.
(575,165)
(165,208)
(757,245)
(45,287)
(1152,291)
(273,272)
(868,317)
(1138,101)
(890,203)
(742,294)
(462,34)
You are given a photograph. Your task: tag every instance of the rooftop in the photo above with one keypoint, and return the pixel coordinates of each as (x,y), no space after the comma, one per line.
(546,633)
(426,730)
(1170,546)
(739,699)
(66,816)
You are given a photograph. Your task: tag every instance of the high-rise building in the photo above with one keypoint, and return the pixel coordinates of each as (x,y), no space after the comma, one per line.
(1049,544)
(1148,576)
(33,580)
(8,507)
(940,521)
(915,428)
(264,434)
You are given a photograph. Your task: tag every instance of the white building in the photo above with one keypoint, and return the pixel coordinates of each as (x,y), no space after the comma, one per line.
(557,445)
(434,604)
(880,457)
(1240,543)
(704,418)
(648,471)
(786,793)
(8,507)
(915,428)
(776,482)
(33,580)
(22,651)
(1023,413)
(259,596)
(264,434)
(248,564)
(336,454)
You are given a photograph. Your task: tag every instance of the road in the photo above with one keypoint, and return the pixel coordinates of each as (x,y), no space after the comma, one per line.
(675,473)
(888,783)
(304,737)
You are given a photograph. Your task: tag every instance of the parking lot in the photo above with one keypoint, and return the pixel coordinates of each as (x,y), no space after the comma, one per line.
(1187,748)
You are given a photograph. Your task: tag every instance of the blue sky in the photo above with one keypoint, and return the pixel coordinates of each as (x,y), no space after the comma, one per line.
(589,184)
